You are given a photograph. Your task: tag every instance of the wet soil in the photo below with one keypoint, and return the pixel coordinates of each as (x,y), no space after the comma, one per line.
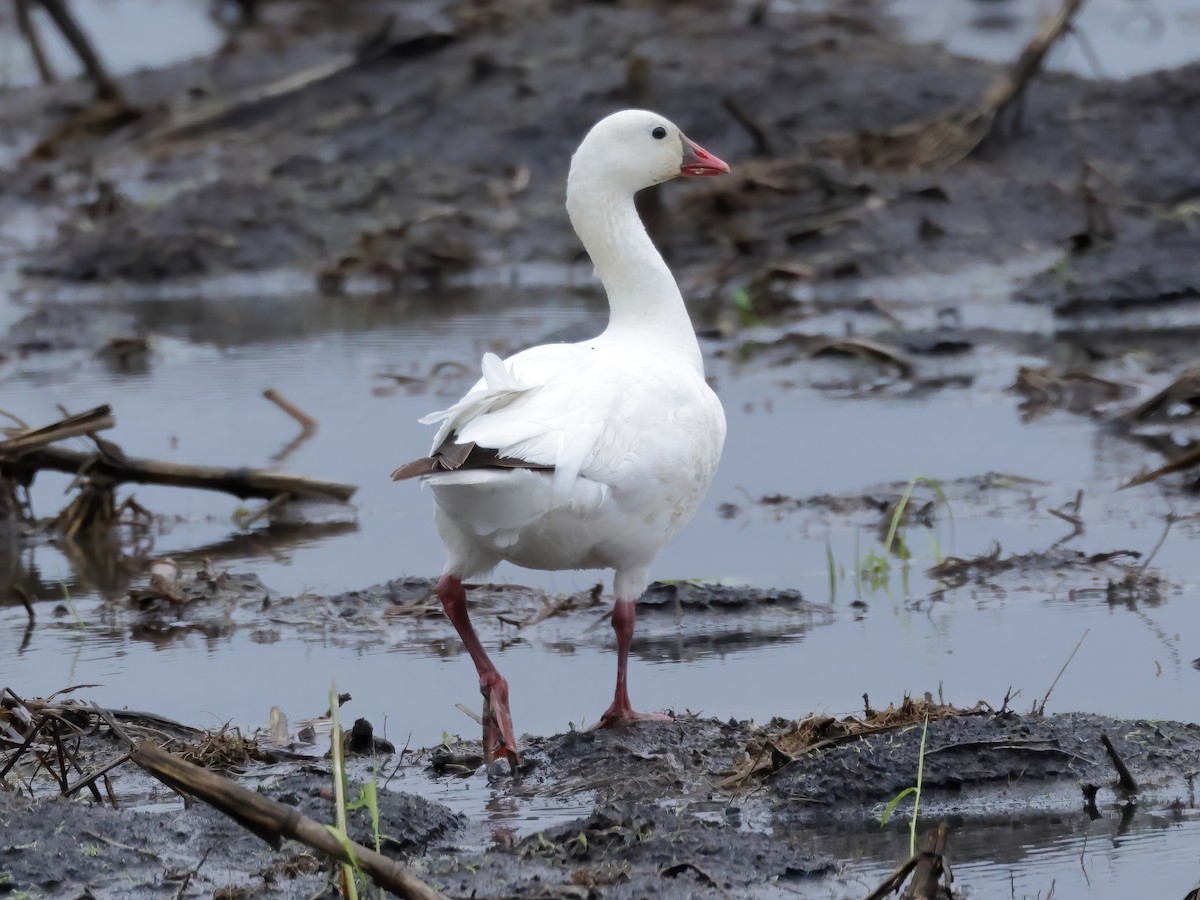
(386,171)
(669,814)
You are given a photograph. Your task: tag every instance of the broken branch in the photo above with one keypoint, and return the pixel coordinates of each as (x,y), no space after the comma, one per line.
(93,420)
(273,821)
(241,482)
(1124,776)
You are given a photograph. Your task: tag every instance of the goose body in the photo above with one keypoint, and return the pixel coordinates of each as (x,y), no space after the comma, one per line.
(592,454)
(629,437)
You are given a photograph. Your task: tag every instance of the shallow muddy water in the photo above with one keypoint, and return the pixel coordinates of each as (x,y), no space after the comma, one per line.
(198,400)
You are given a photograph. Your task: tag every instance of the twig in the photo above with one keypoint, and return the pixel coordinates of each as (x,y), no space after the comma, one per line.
(306,422)
(20,751)
(270,506)
(106,88)
(187,877)
(894,880)
(273,821)
(931,864)
(29,31)
(1009,87)
(117,730)
(23,596)
(102,839)
(468,712)
(90,780)
(1161,540)
(1071,518)
(1124,776)
(1050,690)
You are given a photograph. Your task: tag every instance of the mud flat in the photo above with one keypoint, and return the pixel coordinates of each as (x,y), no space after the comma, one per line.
(696,807)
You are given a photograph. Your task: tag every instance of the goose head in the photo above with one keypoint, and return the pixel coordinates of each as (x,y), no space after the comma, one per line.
(636,149)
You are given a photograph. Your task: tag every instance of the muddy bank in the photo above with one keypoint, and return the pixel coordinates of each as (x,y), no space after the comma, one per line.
(683,809)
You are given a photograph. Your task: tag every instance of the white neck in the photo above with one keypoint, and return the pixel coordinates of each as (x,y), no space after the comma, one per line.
(643,298)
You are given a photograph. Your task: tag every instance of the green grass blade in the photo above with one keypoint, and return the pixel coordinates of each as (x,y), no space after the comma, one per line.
(912,825)
(339,794)
(893,803)
(832,573)
(898,515)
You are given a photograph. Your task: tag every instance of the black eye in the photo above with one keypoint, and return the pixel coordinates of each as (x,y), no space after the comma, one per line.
(658,133)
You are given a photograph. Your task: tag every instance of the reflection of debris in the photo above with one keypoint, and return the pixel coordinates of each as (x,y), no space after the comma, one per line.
(941,143)
(1069,513)
(1129,583)
(308,425)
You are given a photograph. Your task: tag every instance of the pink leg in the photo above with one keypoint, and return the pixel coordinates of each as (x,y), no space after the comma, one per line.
(498,737)
(621,712)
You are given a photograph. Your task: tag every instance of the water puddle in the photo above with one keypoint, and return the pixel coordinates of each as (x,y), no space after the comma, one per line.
(1118,39)
(1116,856)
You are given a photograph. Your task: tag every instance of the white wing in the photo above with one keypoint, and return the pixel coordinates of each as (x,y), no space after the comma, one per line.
(584,411)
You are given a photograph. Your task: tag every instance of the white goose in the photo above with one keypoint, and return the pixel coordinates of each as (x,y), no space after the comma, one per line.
(587,455)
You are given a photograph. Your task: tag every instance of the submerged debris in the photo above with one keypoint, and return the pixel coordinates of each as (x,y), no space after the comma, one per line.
(1127,583)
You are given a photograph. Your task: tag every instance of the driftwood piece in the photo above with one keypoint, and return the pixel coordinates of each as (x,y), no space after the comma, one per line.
(1124,777)
(941,142)
(928,867)
(931,867)
(273,821)
(241,482)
